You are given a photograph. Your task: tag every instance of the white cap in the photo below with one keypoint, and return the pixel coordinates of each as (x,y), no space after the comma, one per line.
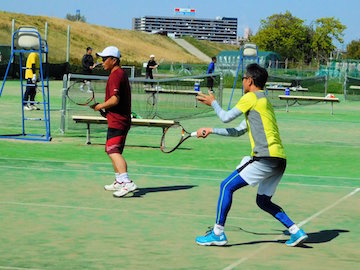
(110,51)
(152,56)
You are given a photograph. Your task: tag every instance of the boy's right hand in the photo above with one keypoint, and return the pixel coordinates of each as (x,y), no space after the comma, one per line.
(203,132)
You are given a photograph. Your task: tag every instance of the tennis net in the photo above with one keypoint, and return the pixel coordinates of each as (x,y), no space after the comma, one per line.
(169,98)
(299,86)
(352,88)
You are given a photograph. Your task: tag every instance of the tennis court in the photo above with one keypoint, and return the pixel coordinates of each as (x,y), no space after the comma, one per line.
(55,213)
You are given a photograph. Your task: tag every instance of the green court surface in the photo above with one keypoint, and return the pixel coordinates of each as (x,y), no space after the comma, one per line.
(55,214)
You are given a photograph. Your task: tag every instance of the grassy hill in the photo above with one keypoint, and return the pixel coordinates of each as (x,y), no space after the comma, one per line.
(210,48)
(135,46)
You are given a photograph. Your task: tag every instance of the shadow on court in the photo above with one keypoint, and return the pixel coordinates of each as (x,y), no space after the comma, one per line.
(314,238)
(142,146)
(140,192)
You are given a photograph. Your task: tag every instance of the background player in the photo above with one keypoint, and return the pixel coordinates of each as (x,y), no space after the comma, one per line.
(151,65)
(118,113)
(88,65)
(210,70)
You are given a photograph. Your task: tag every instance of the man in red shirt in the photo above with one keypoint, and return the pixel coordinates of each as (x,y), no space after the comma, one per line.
(117,106)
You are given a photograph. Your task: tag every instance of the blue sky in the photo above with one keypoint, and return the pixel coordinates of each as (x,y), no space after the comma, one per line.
(118,13)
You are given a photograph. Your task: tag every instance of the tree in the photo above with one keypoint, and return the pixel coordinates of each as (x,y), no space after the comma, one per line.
(353,50)
(326,30)
(75,17)
(284,34)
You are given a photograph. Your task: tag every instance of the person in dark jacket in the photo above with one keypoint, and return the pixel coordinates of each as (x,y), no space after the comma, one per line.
(87,65)
(149,68)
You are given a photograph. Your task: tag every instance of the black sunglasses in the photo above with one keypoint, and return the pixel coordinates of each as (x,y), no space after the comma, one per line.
(105,58)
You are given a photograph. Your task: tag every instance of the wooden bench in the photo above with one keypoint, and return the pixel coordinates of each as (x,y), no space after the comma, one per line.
(192,80)
(154,91)
(281,88)
(134,121)
(355,87)
(308,98)
(278,84)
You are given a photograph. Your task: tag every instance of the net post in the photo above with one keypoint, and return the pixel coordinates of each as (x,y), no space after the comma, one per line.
(326,83)
(132,71)
(156,98)
(287,105)
(88,134)
(63,105)
(221,88)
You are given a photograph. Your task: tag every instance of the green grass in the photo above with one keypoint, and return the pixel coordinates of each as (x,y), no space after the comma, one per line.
(55,214)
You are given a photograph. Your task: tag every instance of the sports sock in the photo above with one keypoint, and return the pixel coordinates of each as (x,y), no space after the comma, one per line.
(122,178)
(294,229)
(218,229)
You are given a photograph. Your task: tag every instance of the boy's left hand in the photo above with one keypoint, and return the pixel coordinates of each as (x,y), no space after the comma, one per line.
(94,107)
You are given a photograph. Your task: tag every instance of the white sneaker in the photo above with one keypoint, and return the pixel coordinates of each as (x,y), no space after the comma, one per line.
(33,107)
(127,187)
(114,186)
(28,108)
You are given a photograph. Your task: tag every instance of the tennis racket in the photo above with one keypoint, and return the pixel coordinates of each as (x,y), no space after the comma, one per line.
(98,62)
(159,63)
(81,94)
(173,137)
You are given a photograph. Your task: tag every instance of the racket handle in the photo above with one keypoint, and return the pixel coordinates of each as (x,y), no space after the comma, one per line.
(94,105)
(103,113)
(193,134)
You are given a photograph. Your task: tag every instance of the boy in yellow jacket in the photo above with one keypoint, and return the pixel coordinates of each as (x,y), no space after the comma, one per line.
(31,76)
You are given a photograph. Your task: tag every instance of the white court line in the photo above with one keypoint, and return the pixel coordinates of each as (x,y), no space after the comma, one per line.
(152,213)
(322,176)
(187,177)
(184,168)
(108,164)
(244,259)
(329,207)
(17,268)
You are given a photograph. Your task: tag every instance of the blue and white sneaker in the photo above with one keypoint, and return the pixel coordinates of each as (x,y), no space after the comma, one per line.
(211,239)
(296,238)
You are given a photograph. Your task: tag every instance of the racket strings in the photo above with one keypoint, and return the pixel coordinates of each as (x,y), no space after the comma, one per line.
(172,137)
(82,93)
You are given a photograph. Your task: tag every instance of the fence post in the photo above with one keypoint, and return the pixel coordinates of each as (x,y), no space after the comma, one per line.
(68,45)
(345,82)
